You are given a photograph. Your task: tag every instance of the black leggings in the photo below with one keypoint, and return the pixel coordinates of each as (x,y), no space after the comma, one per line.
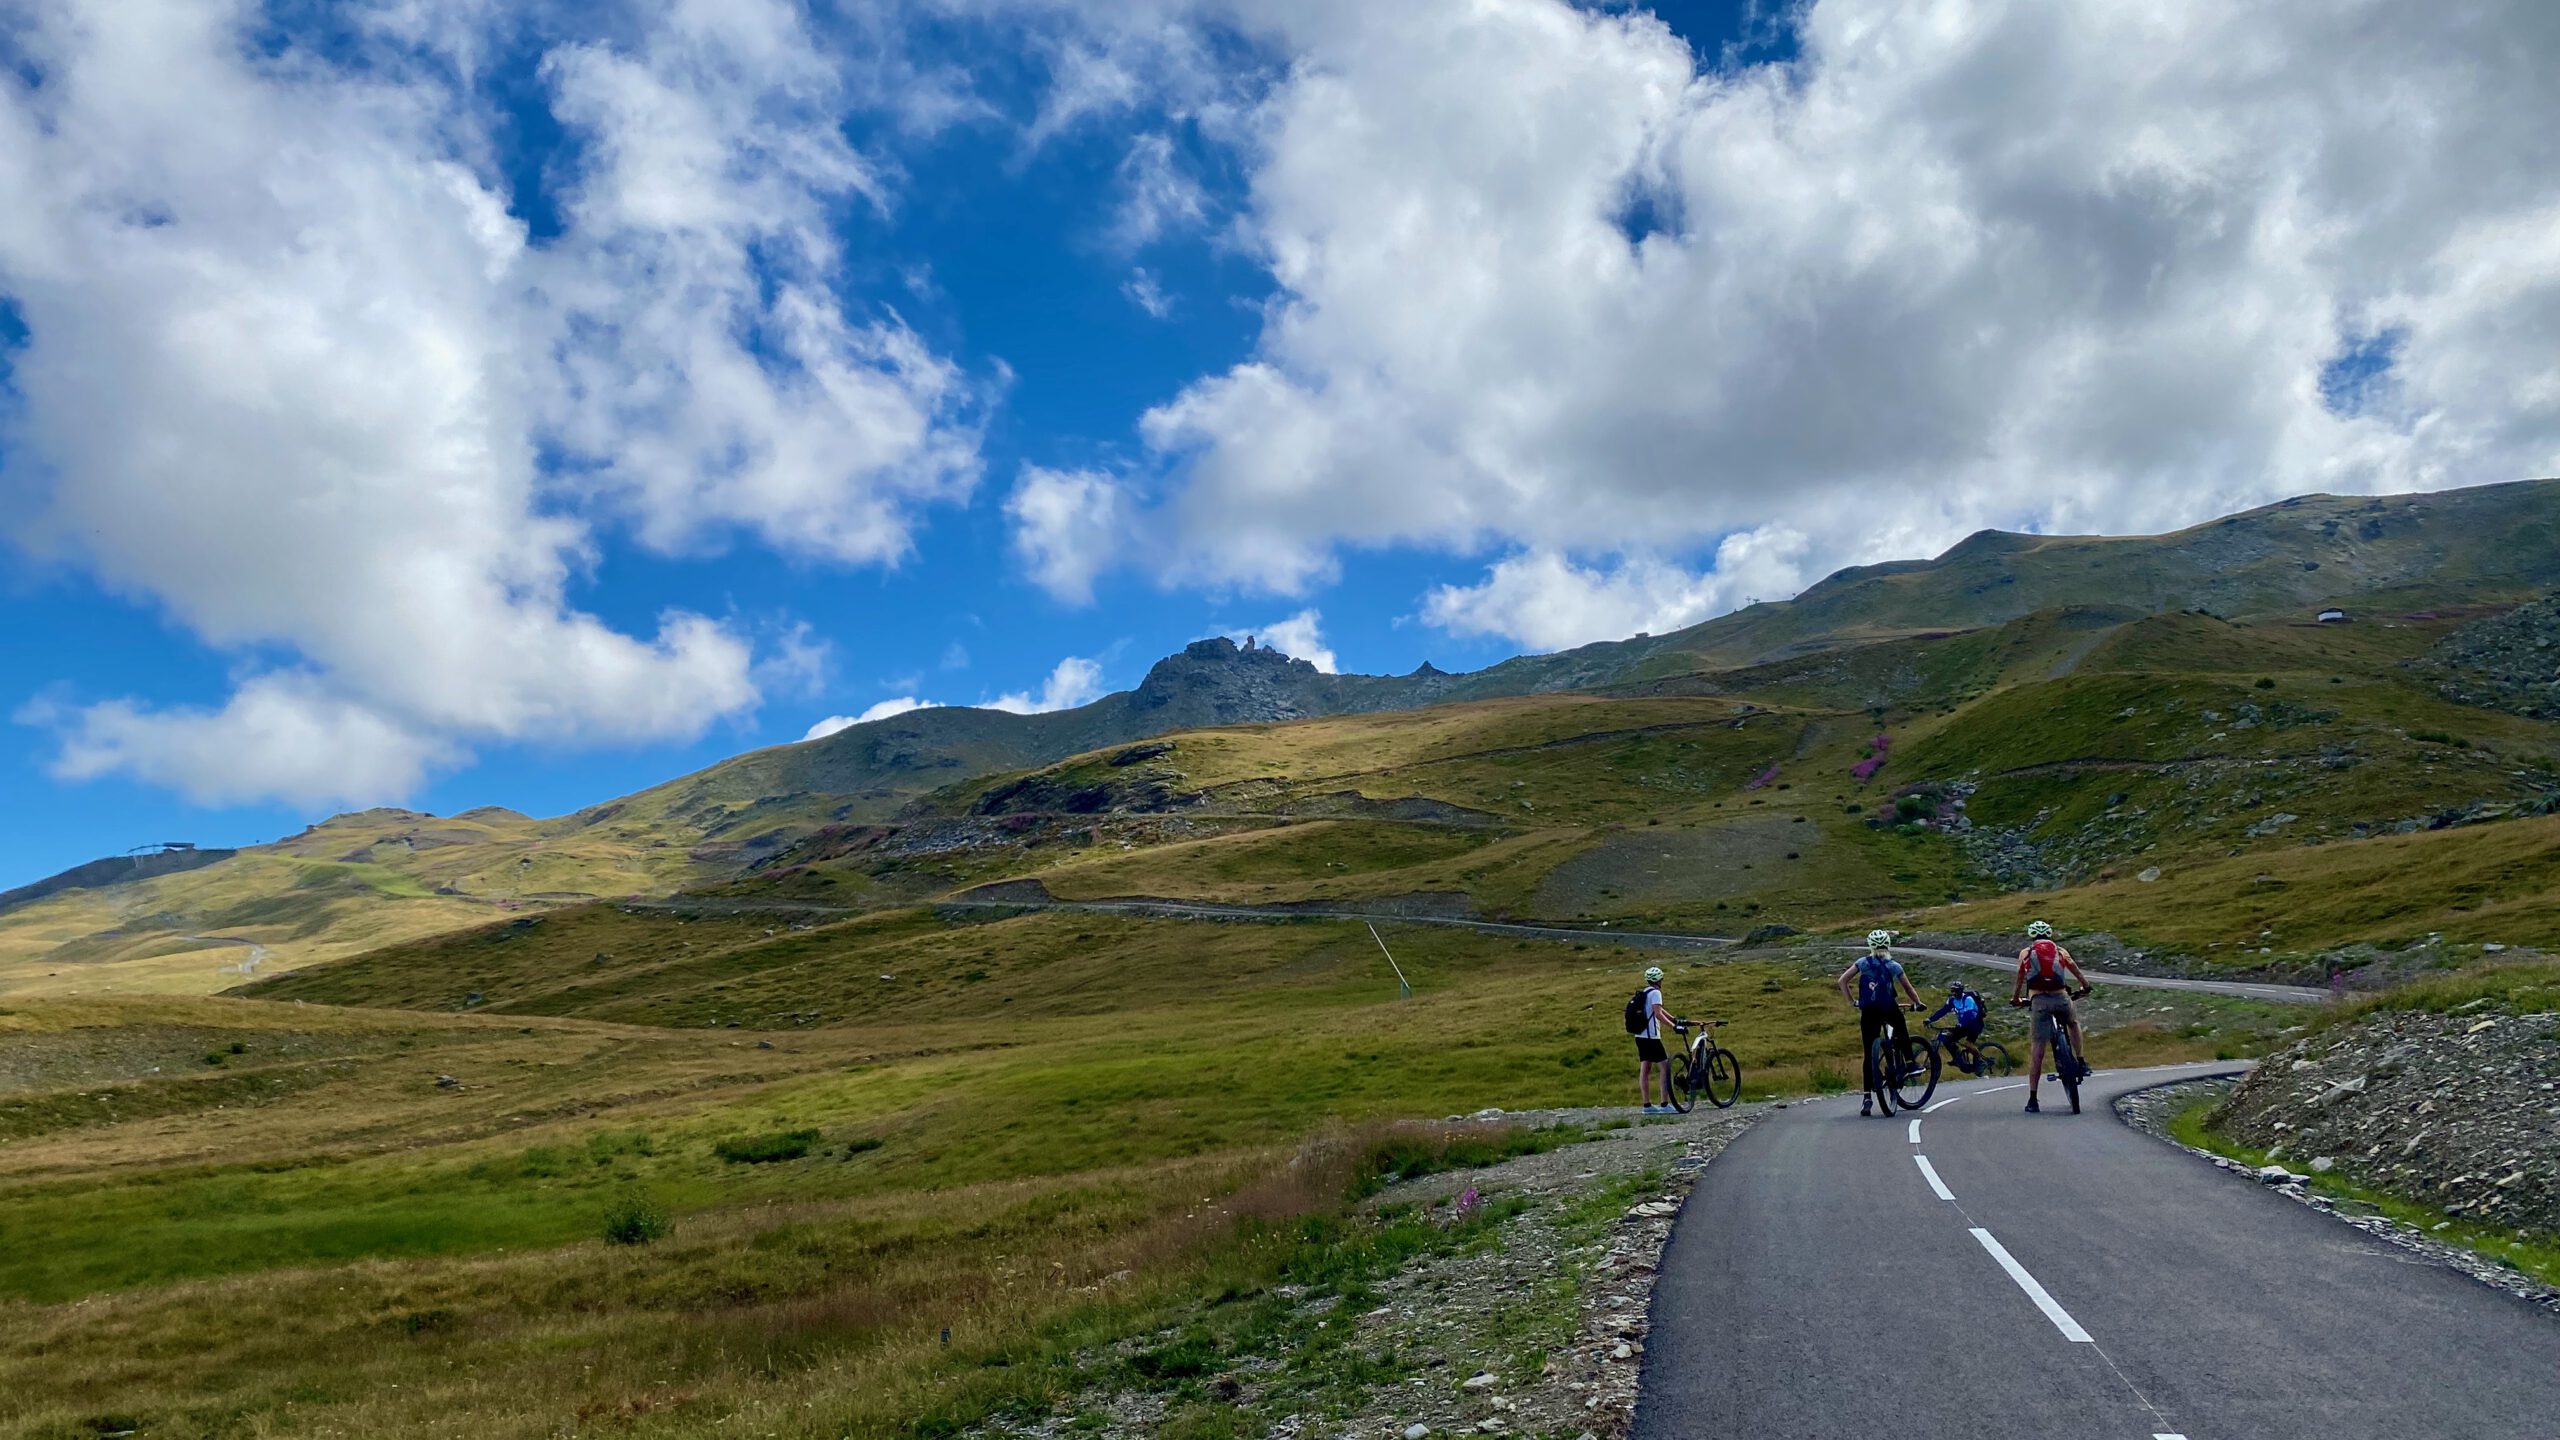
(1874,1020)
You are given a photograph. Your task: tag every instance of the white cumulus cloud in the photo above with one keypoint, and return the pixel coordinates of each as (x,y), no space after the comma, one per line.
(1546,601)
(1300,636)
(1068,527)
(1549,287)
(1074,682)
(1144,292)
(292,368)
(1157,195)
(882,711)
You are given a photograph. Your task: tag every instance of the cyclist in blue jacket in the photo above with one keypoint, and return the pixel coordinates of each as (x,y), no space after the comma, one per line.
(1966,1007)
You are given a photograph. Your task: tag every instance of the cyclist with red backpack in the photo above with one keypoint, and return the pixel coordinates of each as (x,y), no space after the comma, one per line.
(2041,968)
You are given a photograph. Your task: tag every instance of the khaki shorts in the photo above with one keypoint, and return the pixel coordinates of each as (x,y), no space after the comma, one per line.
(2053,1010)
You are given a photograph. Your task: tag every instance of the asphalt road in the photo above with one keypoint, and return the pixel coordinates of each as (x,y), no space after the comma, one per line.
(1818,1286)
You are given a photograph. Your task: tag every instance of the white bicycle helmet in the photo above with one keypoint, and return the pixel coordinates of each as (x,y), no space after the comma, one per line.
(1879,939)
(2038,930)
(1653,974)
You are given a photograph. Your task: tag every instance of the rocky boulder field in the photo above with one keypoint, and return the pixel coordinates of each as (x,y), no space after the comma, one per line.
(2457,1109)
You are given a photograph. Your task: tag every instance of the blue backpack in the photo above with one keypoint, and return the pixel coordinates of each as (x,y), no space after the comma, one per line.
(1875,980)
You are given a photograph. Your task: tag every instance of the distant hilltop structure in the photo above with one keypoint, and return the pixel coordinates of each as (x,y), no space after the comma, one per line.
(147,862)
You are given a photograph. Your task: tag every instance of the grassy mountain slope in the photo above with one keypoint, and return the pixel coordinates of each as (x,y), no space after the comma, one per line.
(2057,747)
(2398,552)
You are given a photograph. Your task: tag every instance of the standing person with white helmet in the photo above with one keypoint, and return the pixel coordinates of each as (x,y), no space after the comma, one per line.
(1876,975)
(1645,1018)
(2041,968)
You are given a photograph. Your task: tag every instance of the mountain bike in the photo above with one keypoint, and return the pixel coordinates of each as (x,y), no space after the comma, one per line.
(1705,1068)
(1978,1058)
(2067,1065)
(1902,1071)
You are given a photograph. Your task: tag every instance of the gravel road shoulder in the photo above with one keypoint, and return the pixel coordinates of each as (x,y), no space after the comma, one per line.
(1533,1326)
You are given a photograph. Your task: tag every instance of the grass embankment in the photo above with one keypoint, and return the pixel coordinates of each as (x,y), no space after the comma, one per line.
(2495,883)
(2536,1257)
(801,1321)
(2523,987)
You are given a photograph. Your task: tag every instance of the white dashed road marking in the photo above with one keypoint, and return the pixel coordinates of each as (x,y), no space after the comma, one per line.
(2052,1308)
(1915,1129)
(1929,1173)
(1991,1090)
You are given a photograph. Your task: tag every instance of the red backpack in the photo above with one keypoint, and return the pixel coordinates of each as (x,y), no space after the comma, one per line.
(2044,959)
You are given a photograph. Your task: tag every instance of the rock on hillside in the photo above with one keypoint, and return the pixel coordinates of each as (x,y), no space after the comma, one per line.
(2506,662)
(2457,1110)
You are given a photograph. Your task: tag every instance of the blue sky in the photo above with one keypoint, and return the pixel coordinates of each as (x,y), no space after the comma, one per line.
(497,446)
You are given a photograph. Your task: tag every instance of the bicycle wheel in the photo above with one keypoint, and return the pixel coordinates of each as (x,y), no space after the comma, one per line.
(1679,1081)
(1915,1076)
(2067,1065)
(1995,1059)
(1879,1064)
(1723,1078)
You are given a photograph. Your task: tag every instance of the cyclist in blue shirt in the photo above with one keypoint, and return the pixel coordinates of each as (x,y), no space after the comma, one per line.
(1877,975)
(1966,1007)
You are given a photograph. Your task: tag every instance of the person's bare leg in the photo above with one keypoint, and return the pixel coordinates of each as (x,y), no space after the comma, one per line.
(2079,1046)
(2035,1066)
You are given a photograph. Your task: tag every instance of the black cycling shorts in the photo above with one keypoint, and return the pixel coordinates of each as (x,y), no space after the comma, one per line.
(1648,1048)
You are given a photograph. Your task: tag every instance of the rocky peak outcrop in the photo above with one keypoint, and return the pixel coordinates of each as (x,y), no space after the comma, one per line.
(1218,682)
